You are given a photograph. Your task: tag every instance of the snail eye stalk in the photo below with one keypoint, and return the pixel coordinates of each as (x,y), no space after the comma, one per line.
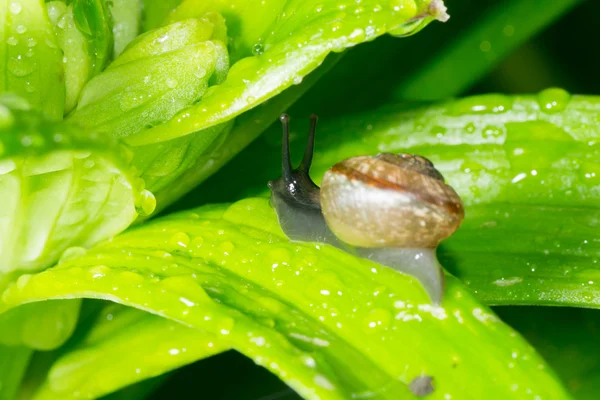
(310,145)
(286,164)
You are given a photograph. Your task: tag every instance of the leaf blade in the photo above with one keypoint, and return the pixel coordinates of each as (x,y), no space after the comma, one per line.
(253,296)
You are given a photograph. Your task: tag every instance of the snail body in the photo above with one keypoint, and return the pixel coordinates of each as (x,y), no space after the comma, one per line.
(390,208)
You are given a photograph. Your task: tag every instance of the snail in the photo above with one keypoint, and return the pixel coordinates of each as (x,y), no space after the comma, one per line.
(393,209)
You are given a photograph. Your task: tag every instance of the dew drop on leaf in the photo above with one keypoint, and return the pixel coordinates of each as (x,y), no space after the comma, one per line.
(99,271)
(146,203)
(225,325)
(377,319)
(178,241)
(195,246)
(469,128)
(257,49)
(18,66)
(22,281)
(171,83)
(71,253)
(226,247)
(553,100)
(272,305)
(279,255)
(491,131)
(15,8)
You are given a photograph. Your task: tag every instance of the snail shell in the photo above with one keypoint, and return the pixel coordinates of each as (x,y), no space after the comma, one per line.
(389,200)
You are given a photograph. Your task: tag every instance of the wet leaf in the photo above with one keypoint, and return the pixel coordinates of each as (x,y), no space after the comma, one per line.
(275,44)
(61,188)
(31,61)
(520,163)
(328,324)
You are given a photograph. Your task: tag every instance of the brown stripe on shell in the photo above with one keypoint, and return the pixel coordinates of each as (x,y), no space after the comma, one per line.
(379,172)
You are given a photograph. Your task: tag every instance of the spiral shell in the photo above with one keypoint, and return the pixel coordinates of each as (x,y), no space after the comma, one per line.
(389,200)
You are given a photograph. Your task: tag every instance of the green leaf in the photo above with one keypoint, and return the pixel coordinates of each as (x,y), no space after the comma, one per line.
(77,58)
(60,188)
(153,346)
(281,42)
(41,326)
(329,324)
(155,12)
(126,16)
(520,163)
(13,363)
(160,72)
(94,20)
(31,61)
(130,99)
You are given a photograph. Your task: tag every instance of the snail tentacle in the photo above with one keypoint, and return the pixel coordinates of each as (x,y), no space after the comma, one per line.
(310,146)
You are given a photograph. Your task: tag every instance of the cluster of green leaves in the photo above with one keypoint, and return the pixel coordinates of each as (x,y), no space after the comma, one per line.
(113,110)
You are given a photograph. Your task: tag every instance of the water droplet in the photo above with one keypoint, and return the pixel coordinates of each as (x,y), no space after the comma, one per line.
(29,88)
(323,382)
(196,246)
(470,127)
(18,66)
(132,277)
(21,29)
(258,49)
(146,203)
(15,7)
(482,104)
(171,83)
(62,23)
(279,255)
(471,167)
(131,100)
(297,80)
(71,253)
(31,42)
(553,100)
(438,131)
(200,73)
(178,241)
(12,41)
(22,281)
(491,131)
(272,305)
(225,325)
(357,36)
(99,271)
(377,319)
